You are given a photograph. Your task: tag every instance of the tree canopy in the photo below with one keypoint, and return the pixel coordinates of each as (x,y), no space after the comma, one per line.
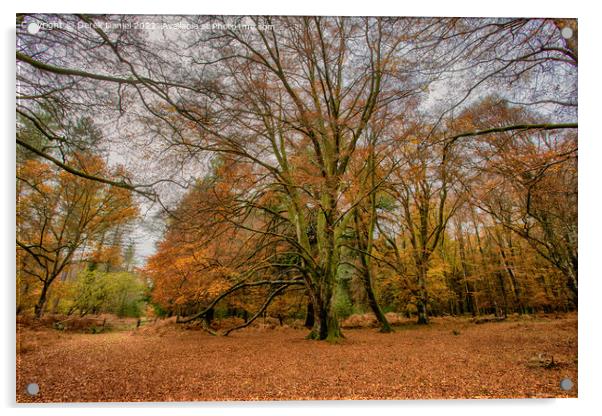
(422,165)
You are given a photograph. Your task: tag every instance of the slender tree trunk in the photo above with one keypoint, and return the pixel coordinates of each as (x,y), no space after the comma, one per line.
(468,287)
(364,237)
(23,289)
(503,289)
(385,326)
(509,269)
(39,307)
(55,305)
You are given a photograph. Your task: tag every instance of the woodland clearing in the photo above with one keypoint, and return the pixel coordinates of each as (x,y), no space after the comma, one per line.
(450,358)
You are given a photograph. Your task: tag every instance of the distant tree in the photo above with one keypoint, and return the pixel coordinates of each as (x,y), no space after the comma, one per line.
(120,293)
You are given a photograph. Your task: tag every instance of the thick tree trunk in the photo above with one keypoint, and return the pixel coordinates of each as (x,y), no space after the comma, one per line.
(326,324)
(422,301)
(422,313)
(209,316)
(572,284)
(309,315)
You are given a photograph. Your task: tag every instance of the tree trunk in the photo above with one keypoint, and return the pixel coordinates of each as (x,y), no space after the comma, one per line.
(422,313)
(468,287)
(209,316)
(309,315)
(326,324)
(39,307)
(513,281)
(503,289)
(385,326)
(422,296)
(572,285)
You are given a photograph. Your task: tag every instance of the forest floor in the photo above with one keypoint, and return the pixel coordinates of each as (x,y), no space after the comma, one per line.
(450,358)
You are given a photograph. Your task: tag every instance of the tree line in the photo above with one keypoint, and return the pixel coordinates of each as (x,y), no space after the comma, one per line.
(424,166)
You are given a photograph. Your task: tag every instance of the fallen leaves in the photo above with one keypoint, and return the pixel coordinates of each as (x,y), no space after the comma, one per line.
(490,360)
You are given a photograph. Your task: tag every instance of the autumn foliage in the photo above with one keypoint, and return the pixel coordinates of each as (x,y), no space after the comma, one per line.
(62,222)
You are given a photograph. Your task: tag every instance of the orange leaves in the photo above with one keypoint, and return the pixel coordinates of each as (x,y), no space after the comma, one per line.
(184,270)
(204,251)
(58,214)
(465,122)
(182,274)
(34,170)
(489,360)
(217,286)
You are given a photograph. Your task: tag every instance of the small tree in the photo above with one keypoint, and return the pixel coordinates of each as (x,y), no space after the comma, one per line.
(58,214)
